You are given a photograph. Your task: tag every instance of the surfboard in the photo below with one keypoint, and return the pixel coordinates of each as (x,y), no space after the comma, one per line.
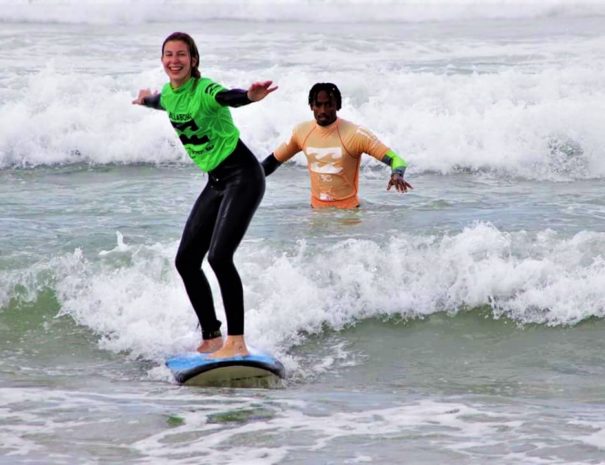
(257,369)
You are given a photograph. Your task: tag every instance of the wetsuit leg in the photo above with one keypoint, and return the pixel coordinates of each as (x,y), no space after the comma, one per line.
(217,224)
(243,184)
(195,242)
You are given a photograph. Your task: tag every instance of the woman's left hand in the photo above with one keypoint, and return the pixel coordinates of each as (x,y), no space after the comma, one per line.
(259,90)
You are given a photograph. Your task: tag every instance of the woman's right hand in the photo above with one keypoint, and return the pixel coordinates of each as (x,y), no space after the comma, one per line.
(142,94)
(259,90)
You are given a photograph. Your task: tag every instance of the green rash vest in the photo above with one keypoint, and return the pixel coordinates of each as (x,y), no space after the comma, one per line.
(204,127)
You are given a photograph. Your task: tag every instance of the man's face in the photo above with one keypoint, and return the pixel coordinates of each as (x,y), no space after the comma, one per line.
(324,108)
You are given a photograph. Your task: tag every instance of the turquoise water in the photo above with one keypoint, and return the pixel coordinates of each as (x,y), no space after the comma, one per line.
(460,323)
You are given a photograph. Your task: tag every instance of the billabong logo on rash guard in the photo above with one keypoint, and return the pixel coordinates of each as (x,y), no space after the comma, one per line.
(324,160)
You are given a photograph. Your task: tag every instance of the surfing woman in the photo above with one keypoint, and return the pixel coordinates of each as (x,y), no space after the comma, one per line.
(198,109)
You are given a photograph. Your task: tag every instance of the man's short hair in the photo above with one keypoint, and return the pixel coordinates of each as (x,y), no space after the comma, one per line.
(328,87)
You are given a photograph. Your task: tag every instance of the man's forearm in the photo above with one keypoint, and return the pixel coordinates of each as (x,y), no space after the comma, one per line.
(397,164)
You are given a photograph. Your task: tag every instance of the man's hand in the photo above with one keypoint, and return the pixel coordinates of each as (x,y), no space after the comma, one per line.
(142,94)
(259,90)
(400,184)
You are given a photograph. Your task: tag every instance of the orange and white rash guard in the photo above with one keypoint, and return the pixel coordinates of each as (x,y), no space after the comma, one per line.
(333,155)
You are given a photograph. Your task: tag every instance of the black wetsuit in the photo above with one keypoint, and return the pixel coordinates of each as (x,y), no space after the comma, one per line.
(216,225)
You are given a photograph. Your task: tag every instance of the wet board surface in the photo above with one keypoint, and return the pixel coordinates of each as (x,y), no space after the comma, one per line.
(254,370)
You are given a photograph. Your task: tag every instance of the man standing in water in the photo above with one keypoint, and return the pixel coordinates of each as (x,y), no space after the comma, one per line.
(333,147)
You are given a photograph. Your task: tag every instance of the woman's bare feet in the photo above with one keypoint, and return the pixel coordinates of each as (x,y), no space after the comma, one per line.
(233,346)
(210,345)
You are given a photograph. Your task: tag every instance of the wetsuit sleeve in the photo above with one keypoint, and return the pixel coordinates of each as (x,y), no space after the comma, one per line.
(233,98)
(153,101)
(397,164)
(270,164)
(206,94)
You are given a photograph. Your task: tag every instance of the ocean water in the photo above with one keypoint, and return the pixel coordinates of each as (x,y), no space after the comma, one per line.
(461,323)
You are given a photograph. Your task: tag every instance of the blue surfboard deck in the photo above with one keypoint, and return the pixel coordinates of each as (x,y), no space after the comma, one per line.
(254,370)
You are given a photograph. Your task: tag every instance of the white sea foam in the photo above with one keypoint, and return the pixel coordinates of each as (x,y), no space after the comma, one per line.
(134,300)
(137,11)
(460,428)
(523,108)
(36,418)
(596,439)
(542,125)
(67,118)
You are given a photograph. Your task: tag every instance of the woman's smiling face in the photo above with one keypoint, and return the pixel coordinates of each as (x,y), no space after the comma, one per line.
(177,62)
